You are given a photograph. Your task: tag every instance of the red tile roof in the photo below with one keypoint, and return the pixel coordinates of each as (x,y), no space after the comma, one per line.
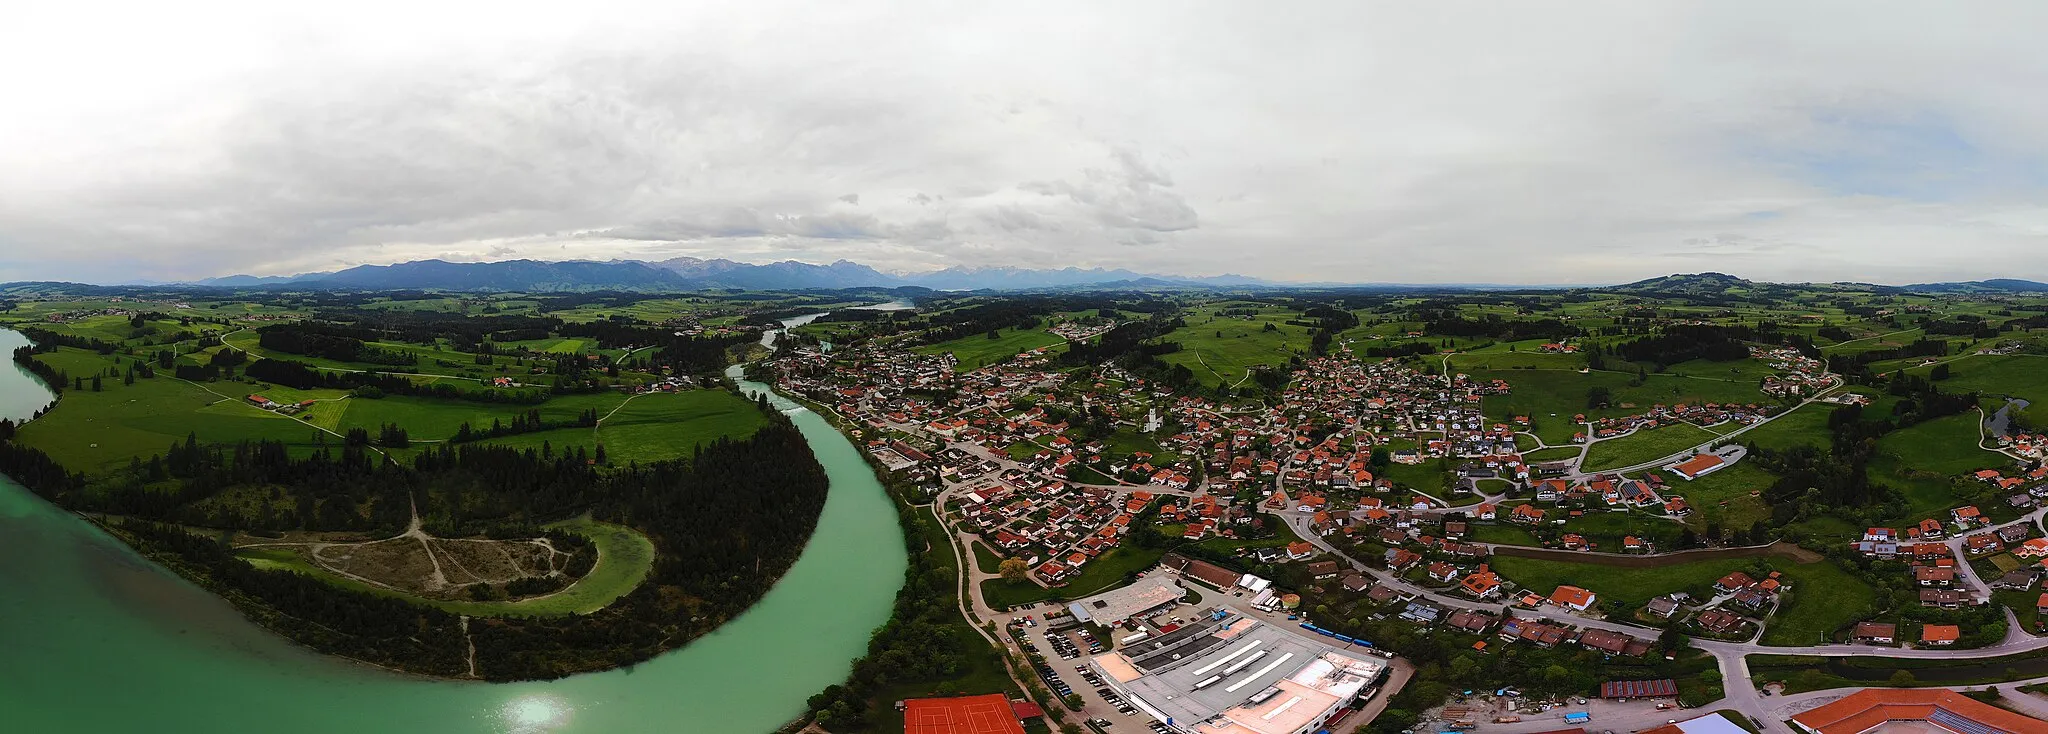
(1870,707)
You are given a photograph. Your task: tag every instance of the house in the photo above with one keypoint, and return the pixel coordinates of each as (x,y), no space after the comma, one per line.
(2035,548)
(1697,466)
(1612,643)
(1299,550)
(1482,583)
(1941,598)
(1718,621)
(1876,633)
(1982,543)
(2018,578)
(1733,582)
(1355,582)
(1753,599)
(1401,559)
(1573,598)
(1631,543)
(2041,604)
(1967,517)
(1663,607)
(1527,514)
(1470,621)
(1322,570)
(1422,613)
(1442,573)
(1931,576)
(1940,634)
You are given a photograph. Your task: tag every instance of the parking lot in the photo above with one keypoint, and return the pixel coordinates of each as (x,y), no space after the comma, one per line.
(1065,669)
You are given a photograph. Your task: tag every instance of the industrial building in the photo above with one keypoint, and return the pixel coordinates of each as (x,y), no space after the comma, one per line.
(1226,674)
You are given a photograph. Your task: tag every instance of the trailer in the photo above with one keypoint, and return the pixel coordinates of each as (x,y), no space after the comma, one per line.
(1577,717)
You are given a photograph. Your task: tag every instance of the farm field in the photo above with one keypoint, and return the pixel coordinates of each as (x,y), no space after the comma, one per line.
(1925,461)
(978,350)
(2021,375)
(1644,445)
(1550,397)
(654,427)
(1807,425)
(93,431)
(1222,350)
(430,419)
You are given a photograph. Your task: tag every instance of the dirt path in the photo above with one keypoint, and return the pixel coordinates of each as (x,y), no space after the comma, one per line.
(471,642)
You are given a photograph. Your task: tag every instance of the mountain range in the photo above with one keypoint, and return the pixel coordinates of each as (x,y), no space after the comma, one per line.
(690,273)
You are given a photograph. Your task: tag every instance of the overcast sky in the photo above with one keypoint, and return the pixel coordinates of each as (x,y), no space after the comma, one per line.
(1510,142)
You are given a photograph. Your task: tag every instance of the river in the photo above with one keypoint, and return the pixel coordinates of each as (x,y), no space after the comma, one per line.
(93,638)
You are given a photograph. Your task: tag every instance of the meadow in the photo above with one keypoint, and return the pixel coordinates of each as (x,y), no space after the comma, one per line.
(974,352)
(1647,444)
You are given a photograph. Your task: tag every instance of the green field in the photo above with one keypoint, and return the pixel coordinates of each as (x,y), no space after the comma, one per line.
(1550,397)
(624,558)
(1222,350)
(1608,528)
(1631,585)
(1644,445)
(1805,426)
(1926,461)
(432,419)
(1824,598)
(1724,496)
(94,431)
(655,426)
(2022,376)
(978,351)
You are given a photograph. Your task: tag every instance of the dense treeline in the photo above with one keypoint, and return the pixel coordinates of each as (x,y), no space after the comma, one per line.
(330,341)
(462,331)
(527,422)
(376,384)
(1494,327)
(1681,343)
(48,341)
(52,377)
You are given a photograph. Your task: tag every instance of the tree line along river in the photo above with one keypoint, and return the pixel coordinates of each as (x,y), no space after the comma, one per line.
(94,638)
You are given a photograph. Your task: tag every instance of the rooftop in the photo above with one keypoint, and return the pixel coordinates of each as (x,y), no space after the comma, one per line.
(1874,709)
(1254,678)
(1120,604)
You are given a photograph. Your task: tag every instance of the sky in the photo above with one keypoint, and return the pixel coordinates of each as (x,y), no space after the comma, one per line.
(1526,142)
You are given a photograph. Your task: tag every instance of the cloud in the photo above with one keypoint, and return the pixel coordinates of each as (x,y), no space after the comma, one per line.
(1532,143)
